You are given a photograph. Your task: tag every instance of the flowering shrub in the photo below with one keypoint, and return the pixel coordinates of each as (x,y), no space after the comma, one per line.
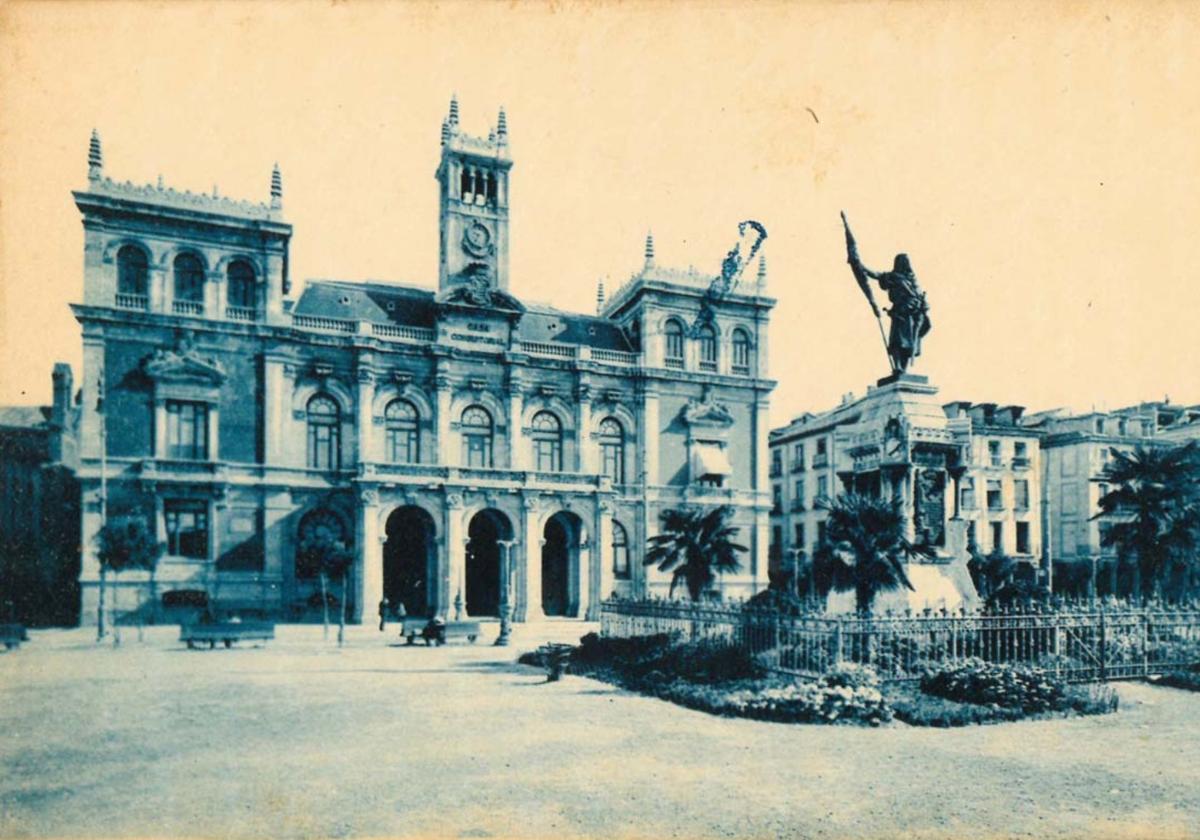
(823,701)
(985,683)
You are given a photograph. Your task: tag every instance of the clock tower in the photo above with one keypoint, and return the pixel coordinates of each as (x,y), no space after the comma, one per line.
(473,207)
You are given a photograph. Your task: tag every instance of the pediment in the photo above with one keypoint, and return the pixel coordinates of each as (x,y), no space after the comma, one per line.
(186,367)
(707,413)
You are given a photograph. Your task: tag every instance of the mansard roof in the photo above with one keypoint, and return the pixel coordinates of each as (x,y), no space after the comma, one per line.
(24,416)
(369,301)
(417,307)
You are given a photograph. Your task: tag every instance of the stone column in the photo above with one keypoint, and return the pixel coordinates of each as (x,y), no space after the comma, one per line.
(602,557)
(446,454)
(533,560)
(278,550)
(213,294)
(366,394)
(453,560)
(89,572)
(160,427)
(648,435)
(586,458)
(370,557)
(274,407)
(156,277)
(518,456)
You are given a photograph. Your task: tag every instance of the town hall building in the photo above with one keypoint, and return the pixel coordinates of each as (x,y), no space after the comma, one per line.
(437,431)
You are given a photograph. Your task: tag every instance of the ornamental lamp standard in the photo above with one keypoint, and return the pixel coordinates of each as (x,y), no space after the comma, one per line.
(506,610)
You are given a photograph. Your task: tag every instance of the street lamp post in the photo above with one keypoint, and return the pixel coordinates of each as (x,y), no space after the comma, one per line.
(505,592)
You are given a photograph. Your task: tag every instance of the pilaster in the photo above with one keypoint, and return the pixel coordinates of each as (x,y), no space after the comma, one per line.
(587,461)
(446,453)
(363,428)
(370,555)
(533,559)
(453,561)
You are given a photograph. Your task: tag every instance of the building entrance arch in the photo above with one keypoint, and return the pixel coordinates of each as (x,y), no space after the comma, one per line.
(484,533)
(410,560)
(562,544)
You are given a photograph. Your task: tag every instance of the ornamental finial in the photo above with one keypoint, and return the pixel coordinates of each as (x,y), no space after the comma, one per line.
(649,249)
(276,188)
(502,126)
(454,109)
(95,157)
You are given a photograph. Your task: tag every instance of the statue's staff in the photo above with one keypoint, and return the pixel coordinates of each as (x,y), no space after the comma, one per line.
(860,275)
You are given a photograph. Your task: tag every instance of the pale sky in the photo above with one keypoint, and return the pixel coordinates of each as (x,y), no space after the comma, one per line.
(1038,163)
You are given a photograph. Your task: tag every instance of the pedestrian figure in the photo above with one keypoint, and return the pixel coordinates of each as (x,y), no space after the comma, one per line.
(383,611)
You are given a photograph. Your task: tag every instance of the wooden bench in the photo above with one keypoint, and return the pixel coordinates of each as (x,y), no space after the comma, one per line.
(226,632)
(410,628)
(11,635)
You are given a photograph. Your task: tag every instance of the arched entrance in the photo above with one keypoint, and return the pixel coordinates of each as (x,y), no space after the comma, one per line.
(486,530)
(409,560)
(561,544)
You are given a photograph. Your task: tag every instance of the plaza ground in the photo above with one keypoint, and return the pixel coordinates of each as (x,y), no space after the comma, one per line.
(301,739)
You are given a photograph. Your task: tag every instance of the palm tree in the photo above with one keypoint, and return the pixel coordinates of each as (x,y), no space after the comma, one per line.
(864,548)
(1153,511)
(990,572)
(695,545)
(325,551)
(126,545)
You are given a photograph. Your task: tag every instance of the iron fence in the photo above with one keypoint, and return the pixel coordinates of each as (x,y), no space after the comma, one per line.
(1077,643)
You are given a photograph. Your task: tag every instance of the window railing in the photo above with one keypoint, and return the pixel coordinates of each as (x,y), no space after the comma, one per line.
(554,351)
(240,313)
(995,503)
(708,365)
(314,322)
(821,460)
(798,466)
(741,370)
(125,301)
(1020,463)
(776,470)
(776,509)
(187,307)
(798,505)
(615,357)
(675,362)
(402,332)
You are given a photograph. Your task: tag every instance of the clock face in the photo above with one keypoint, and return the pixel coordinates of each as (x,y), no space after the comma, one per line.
(477,240)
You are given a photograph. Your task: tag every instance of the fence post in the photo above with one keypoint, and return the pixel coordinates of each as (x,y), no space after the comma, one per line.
(1103,648)
(837,642)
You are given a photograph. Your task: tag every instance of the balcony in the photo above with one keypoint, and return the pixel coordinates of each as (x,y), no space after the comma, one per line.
(240,313)
(776,470)
(741,370)
(820,460)
(675,362)
(798,467)
(798,506)
(187,307)
(125,301)
(1020,463)
(484,475)
(709,366)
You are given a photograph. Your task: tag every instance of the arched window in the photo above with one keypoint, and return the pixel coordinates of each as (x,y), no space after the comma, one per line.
(133,278)
(620,550)
(612,449)
(741,351)
(189,284)
(324,434)
(673,352)
(403,436)
(476,425)
(708,347)
(546,432)
(240,294)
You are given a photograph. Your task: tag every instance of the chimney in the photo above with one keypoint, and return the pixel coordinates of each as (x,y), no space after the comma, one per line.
(63,388)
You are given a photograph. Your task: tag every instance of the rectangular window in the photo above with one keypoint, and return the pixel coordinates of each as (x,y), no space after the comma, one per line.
(1022,538)
(776,499)
(613,455)
(821,532)
(967,491)
(776,461)
(972,535)
(994,452)
(547,455)
(187,528)
(187,430)
(1021,494)
(1020,449)
(995,496)
(402,446)
(821,456)
(798,500)
(798,457)
(822,486)
(478,451)
(998,537)
(799,535)
(776,544)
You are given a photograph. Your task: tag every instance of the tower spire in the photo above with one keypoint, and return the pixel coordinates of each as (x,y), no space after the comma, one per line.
(599,297)
(762,271)
(502,126)
(649,249)
(95,157)
(454,110)
(276,188)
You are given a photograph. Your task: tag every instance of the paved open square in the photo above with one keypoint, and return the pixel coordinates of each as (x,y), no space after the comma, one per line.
(302,739)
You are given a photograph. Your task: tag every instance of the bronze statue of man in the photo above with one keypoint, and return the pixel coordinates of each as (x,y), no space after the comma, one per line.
(909,311)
